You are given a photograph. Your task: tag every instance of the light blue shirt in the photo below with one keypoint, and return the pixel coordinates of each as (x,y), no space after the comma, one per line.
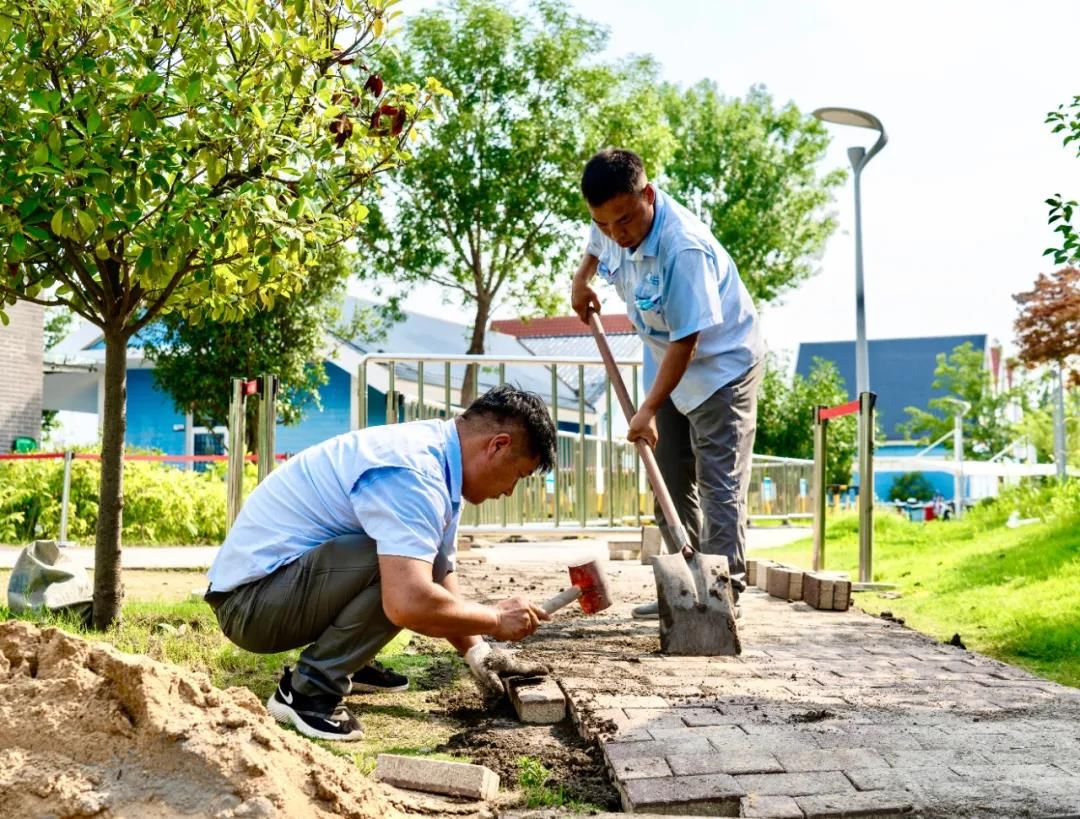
(398,485)
(677,282)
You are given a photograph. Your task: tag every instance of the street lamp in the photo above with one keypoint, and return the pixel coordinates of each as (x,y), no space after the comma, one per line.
(858,157)
(962,409)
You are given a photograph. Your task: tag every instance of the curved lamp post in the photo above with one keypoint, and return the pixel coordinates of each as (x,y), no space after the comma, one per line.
(858,157)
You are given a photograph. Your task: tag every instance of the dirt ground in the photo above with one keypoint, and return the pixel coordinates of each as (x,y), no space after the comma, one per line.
(488,734)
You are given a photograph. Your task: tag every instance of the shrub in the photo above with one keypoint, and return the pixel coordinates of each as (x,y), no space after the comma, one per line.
(911,485)
(162,504)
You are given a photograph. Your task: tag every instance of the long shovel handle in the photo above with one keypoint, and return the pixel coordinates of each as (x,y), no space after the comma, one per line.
(652,470)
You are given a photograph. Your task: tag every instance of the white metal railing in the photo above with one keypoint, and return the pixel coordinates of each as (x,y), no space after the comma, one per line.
(597,482)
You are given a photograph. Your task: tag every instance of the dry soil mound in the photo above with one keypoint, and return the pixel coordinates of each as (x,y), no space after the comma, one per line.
(88,731)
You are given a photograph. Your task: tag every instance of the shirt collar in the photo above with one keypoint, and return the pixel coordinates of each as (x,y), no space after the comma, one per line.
(453,460)
(650,245)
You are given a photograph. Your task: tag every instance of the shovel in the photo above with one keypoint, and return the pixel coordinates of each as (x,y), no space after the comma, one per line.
(697,612)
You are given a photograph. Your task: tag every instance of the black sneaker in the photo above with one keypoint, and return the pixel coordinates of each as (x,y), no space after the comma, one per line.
(321,717)
(375,677)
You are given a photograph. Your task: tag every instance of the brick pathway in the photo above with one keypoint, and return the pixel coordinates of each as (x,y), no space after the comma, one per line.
(825,714)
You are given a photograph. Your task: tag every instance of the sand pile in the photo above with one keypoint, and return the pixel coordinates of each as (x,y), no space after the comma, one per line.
(88,731)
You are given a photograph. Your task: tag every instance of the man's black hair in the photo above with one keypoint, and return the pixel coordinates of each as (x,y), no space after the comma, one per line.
(610,172)
(508,403)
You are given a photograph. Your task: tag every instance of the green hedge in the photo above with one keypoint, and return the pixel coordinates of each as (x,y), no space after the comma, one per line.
(162,504)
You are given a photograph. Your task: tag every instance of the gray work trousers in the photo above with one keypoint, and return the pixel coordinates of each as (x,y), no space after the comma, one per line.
(329,599)
(705,457)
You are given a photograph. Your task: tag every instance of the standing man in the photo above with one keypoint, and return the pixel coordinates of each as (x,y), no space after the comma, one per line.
(703,349)
(354,539)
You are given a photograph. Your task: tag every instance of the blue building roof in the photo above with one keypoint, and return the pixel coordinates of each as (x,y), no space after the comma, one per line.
(901,370)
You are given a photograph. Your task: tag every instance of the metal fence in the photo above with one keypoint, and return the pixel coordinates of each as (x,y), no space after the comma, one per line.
(598,482)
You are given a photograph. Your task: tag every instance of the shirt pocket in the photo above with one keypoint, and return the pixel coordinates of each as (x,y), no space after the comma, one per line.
(608,270)
(649,301)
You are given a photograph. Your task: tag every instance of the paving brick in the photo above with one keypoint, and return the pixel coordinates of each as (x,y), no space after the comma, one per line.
(770,807)
(537,700)
(732,760)
(834,759)
(796,784)
(655,718)
(719,735)
(617,751)
(900,779)
(645,767)
(871,805)
(651,544)
(714,795)
(784,582)
(437,776)
(613,724)
(629,701)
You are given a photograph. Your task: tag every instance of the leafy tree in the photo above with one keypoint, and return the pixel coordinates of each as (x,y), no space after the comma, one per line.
(911,485)
(1037,423)
(748,167)
(490,210)
(1065,121)
(1048,327)
(195,363)
(962,375)
(182,156)
(785,425)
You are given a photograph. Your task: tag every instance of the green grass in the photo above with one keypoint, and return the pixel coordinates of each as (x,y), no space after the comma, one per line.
(1009,593)
(532,780)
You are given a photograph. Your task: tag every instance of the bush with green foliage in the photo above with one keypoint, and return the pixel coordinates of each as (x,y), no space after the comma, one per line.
(911,485)
(163,505)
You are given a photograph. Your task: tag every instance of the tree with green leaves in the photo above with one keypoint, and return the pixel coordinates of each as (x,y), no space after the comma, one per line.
(785,419)
(963,376)
(195,363)
(490,209)
(186,157)
(748,168)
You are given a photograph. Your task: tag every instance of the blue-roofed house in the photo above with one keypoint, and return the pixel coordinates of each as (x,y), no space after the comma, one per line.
(901,370)
(74,374)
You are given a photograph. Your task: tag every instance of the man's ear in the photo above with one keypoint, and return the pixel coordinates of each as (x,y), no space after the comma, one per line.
(500,441)
(650,193)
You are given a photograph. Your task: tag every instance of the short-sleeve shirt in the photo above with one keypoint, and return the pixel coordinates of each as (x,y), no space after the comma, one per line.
(397,485)
(677,282)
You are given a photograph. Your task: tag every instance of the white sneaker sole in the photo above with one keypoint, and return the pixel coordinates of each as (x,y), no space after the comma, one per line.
(286,715)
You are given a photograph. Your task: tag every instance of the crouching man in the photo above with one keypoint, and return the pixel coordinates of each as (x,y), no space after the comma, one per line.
(354,539)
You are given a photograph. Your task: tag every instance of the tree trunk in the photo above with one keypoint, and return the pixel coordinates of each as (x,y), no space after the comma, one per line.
(108,588)
(470,385)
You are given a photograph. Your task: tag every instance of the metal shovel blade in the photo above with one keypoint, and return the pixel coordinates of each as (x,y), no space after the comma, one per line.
(697,612)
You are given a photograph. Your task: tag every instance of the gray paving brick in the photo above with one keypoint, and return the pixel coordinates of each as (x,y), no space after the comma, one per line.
(617,751)
(437,776)
(717,734)
(833,759)
(935,778)
(644,767)
(770,807)
(872,805)
(626,701)
(796,784)
(714,795)
(732,760)
(658,718)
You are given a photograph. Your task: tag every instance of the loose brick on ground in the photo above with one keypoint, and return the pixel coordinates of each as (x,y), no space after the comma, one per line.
(437,776)
(537,700)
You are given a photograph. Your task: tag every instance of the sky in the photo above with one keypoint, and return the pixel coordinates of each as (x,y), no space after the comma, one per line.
(954,220)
